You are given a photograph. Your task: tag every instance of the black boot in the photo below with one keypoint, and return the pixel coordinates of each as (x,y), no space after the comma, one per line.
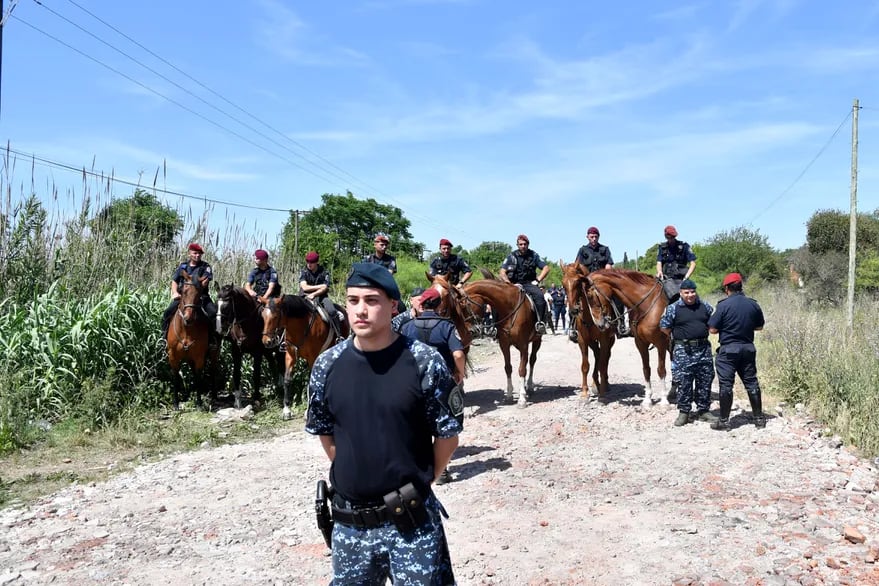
(757,410)
(722,424)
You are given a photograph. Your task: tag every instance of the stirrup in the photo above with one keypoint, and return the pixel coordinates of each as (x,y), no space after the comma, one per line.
(540,328)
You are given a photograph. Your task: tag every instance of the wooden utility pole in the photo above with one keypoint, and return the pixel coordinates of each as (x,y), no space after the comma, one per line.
(296,240)
(853,222)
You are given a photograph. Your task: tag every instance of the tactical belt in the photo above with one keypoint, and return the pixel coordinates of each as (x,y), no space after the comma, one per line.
(361,517)
(693,342)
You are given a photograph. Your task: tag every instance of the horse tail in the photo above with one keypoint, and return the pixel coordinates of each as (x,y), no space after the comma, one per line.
(487,274)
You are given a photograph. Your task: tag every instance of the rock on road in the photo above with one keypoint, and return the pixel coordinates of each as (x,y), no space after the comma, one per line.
(565,491)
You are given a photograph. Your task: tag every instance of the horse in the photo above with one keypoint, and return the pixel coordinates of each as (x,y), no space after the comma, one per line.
(589,336)
(188,336)
(239,320)
(645,302)
(306,333)
(450,307)
(515,319)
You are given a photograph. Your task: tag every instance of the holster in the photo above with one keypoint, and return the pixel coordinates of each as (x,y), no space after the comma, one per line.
(322,511)
(406,507)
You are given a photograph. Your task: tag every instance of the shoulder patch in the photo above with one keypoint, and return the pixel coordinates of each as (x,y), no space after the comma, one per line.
(456,401)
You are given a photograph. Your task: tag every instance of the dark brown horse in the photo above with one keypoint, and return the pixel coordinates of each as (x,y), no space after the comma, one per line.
(645,303)
(574,280)
(515,319)
(305,331)
(188,336)
(239,320)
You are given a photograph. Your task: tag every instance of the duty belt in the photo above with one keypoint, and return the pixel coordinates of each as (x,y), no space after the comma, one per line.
(693,342)
(361,517)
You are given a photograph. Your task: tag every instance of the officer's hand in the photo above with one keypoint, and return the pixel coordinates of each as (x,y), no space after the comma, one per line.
(263,300)
(175,296)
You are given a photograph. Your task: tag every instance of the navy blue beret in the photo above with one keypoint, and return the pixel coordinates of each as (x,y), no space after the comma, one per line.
(688,284)
(375,276)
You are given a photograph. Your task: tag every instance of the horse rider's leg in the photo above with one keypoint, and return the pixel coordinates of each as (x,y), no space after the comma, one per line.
(508,369)
(168,316)
(333,315)
(644,351)
(288,381)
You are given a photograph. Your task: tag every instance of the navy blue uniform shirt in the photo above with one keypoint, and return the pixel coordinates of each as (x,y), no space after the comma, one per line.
(736,318)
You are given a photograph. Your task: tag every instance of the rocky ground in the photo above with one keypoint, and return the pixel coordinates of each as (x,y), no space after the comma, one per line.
(565,491)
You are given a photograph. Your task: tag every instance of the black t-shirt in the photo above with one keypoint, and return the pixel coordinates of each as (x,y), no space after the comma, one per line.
(383,409)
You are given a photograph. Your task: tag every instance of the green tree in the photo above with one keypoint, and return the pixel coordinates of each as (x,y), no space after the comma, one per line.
(739,250)
(828,231)
(142,216)
(489,255)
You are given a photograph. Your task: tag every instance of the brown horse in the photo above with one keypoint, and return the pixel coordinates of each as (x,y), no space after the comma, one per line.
(451,307)
(645,303)
(306,333)
(188,336)
(574,280)
(239,320)
(515,319)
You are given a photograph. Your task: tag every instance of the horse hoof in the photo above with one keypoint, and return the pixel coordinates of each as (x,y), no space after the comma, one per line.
(287,415)
(521,404)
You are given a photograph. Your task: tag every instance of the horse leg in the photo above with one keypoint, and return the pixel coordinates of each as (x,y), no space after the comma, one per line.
(584,344)
(535,346)
(255,392)
(604,347)
(508,369)
(661,351)
(287,414)
(523,367)
(236,374)
(643,349)
(175,387)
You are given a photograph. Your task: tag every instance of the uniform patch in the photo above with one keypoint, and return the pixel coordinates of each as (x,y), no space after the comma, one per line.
(456,401)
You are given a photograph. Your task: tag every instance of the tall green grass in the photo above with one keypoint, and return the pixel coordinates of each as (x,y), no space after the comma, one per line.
(808,356)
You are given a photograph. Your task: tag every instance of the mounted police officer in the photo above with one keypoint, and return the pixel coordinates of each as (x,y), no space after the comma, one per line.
(686,320)
(674,263)
(520,268)
(262,281)
(388,417)
(452,266)
(381,256)
(736,319)
(594,255)
(198,269)
(314,284)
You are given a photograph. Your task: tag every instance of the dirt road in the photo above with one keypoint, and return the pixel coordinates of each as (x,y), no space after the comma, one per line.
(565,491)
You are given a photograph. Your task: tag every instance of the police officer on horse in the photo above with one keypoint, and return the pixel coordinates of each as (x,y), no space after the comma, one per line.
(674,263)
(262,282)
(197,269)
(520,268)
(381,242)
(452,266)
(314,284)
(594,255)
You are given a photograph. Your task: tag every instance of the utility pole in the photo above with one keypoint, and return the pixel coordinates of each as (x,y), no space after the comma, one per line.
(853,222)
(296,239)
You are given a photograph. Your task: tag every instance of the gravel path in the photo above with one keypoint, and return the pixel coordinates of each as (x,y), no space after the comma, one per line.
(565,491)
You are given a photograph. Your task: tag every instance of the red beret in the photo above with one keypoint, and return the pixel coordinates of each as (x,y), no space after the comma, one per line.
(445,242)
(382,237)
(429,294)
(732,278)
(671,231)
(593,230)
(196,248)
(261,254)
(312,257)
(523,237)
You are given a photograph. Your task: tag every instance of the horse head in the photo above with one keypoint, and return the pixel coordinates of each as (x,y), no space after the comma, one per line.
(273,323)
(598,299)
(574,278)
(454,305)
(190,297)
(225,308)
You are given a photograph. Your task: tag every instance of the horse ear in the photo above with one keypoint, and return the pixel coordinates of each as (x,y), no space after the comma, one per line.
(185,275)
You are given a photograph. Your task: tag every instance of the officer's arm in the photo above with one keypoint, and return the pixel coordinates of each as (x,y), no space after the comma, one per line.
(503,275)
(460,365)
(465,277)
(443,448)
(659,269)
(713,330)
(543,273)
(690,269)
(175,293)
(328,443)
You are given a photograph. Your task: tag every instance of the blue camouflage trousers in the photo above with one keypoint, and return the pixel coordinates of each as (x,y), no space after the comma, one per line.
(693,364)
(369,557)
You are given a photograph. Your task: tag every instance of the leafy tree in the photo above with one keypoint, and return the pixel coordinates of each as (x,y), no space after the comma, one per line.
(828,231)
(142,216)
(489,255)
(739,250)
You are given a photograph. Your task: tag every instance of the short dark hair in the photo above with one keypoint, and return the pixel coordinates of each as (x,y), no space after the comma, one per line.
(432,303)
(735,287)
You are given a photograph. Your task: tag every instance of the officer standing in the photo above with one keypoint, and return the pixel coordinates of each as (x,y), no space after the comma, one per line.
(386,410)
(520,268)
(455,268)
(675,262)
(559,306)
(736,319)
(686,321)
(439,332)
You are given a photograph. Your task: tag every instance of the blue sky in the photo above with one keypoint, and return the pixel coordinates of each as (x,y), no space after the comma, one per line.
(481,120)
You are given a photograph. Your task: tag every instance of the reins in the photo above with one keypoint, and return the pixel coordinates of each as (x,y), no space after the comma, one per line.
(618,316)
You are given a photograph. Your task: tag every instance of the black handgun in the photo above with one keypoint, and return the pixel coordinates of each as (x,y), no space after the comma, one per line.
(322,510)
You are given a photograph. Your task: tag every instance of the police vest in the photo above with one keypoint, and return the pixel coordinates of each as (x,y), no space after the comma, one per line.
(674,264)
(447,266)
(526,267)
(592,258)
(261,280)
(424,327)
(196,272)
(691,322)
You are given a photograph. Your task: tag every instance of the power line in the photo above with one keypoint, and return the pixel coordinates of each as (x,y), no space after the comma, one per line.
(804,171)
(42,161)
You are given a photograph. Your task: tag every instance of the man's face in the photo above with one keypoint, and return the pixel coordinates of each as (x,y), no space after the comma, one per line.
(380,247)
(522,245)
(194,256)
(593,238)
(445,250)
(689,296)
(261,262)
(311,266)
(669,238)
(369,311)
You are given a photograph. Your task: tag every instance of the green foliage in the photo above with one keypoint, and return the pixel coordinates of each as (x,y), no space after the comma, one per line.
(24,250)
(489,255)
(739,250)
(828,231)
(141,216)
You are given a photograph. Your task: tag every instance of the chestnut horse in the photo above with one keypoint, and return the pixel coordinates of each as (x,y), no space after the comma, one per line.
(296,320)
(239,320)
(451,307)
(515,321)
(574,280)
(645,303)
(188,336)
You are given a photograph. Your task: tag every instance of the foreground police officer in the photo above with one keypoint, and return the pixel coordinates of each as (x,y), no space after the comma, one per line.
(452,266)
(262,281)
(736,319)
(686,320)
(594,255)
(198,269)
(388,420)
(675,261)
(520,268)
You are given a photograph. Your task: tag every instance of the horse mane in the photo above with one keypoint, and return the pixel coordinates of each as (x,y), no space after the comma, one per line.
(617,275)
(293,306)
(226,291)
(487,274)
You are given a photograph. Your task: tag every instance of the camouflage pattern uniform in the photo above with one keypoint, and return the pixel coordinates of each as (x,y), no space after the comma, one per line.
(690,362)
(371,555)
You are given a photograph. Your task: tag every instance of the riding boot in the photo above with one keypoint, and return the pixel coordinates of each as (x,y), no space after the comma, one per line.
(722,424)
(757,410)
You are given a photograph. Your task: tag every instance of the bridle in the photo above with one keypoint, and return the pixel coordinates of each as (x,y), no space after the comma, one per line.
(618,316)
(276,334)
(181,309)
(237,334)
